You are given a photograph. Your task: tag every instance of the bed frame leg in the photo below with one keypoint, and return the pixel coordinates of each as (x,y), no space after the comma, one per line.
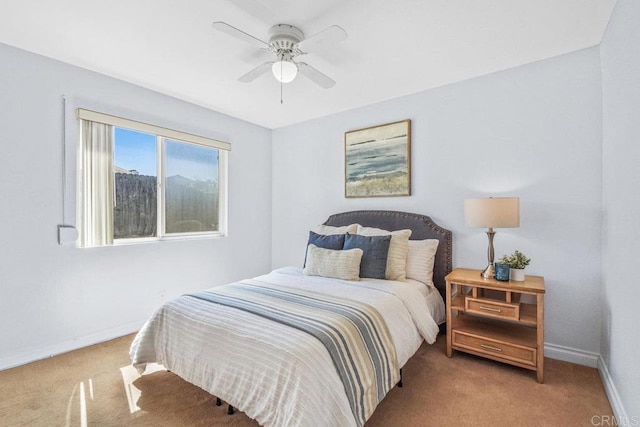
(230,409)
(400,382)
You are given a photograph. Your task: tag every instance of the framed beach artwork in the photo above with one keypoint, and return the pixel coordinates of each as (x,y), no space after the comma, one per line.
(378,161)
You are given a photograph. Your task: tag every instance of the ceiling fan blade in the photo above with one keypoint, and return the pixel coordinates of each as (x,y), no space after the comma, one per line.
(239,34)
(256,72)
(258,9)
(330,35)
(315,76)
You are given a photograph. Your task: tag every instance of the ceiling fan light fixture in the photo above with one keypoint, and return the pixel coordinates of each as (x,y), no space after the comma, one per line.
(286,42)
(284,70)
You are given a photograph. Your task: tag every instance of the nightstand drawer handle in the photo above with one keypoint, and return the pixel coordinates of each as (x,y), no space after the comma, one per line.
(495,310)
(489,347)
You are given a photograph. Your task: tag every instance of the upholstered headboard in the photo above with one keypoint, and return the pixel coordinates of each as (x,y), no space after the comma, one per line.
(422,227)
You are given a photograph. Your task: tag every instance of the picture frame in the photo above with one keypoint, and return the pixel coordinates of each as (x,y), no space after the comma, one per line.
(378,161)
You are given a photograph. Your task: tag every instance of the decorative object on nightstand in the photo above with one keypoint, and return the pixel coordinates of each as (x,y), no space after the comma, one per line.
(517,261)
(502,271)
(492,212)
(487,318)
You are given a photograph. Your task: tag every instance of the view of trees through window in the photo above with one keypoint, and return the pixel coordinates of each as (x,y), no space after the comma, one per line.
(190,186)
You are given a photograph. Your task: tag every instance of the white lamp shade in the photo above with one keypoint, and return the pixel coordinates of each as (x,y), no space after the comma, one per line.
(493,212)
(284,71)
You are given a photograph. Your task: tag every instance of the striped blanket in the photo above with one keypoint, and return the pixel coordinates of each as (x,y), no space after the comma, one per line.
(280,375)
(354,334)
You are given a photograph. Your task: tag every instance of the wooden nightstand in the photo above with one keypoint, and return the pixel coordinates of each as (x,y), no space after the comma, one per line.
(487,318)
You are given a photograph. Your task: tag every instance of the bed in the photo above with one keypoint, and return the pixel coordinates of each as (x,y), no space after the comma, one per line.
(278,348)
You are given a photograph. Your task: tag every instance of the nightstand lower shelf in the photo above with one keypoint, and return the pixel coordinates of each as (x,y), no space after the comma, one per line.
(495,340)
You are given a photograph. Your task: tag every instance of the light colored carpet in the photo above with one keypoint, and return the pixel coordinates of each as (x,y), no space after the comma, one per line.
(97,385)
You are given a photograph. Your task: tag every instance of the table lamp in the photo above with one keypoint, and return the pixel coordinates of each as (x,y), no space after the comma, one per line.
(492,212)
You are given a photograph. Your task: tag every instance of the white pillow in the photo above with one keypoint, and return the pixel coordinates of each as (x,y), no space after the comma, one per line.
(343,265)
(420,260)
(398,248)
(328,230)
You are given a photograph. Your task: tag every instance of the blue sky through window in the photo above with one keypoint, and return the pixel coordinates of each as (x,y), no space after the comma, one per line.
(137,151)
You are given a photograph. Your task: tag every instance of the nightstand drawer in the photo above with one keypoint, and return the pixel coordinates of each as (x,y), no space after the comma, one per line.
(495,349)
(492,308)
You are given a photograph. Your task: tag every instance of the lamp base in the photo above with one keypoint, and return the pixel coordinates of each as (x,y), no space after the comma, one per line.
(489,272)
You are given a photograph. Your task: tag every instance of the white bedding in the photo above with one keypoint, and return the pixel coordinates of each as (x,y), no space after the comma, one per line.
(276,374)
(433,298)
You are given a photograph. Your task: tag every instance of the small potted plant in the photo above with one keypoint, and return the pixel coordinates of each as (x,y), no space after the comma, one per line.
(517,261)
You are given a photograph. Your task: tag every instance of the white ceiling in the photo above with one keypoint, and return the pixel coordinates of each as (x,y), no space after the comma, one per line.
(393,48)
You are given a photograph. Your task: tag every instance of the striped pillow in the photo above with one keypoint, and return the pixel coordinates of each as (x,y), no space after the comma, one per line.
(331,241)
(420,260)
(343,265)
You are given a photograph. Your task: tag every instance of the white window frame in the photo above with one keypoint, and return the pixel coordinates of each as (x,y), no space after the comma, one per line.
(162,134)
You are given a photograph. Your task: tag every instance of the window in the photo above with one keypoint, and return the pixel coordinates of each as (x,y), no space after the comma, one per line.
(140,182)
(135,208)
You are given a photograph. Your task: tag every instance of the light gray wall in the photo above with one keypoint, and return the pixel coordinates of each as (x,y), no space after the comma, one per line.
(533,132)
(56,298)
(621,186)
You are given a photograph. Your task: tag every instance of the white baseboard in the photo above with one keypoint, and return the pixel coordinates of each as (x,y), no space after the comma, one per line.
(593,360)
(67,346)
(612,393)
(573,355)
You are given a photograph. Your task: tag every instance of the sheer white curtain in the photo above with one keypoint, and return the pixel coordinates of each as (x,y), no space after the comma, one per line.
(97,184)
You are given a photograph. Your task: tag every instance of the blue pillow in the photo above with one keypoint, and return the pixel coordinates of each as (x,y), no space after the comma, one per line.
(374,258)
(333,241)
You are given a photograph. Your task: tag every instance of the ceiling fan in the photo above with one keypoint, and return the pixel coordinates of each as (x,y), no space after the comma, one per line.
(287,42)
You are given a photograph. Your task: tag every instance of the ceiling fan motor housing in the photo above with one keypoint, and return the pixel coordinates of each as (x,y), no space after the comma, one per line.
(284,37)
